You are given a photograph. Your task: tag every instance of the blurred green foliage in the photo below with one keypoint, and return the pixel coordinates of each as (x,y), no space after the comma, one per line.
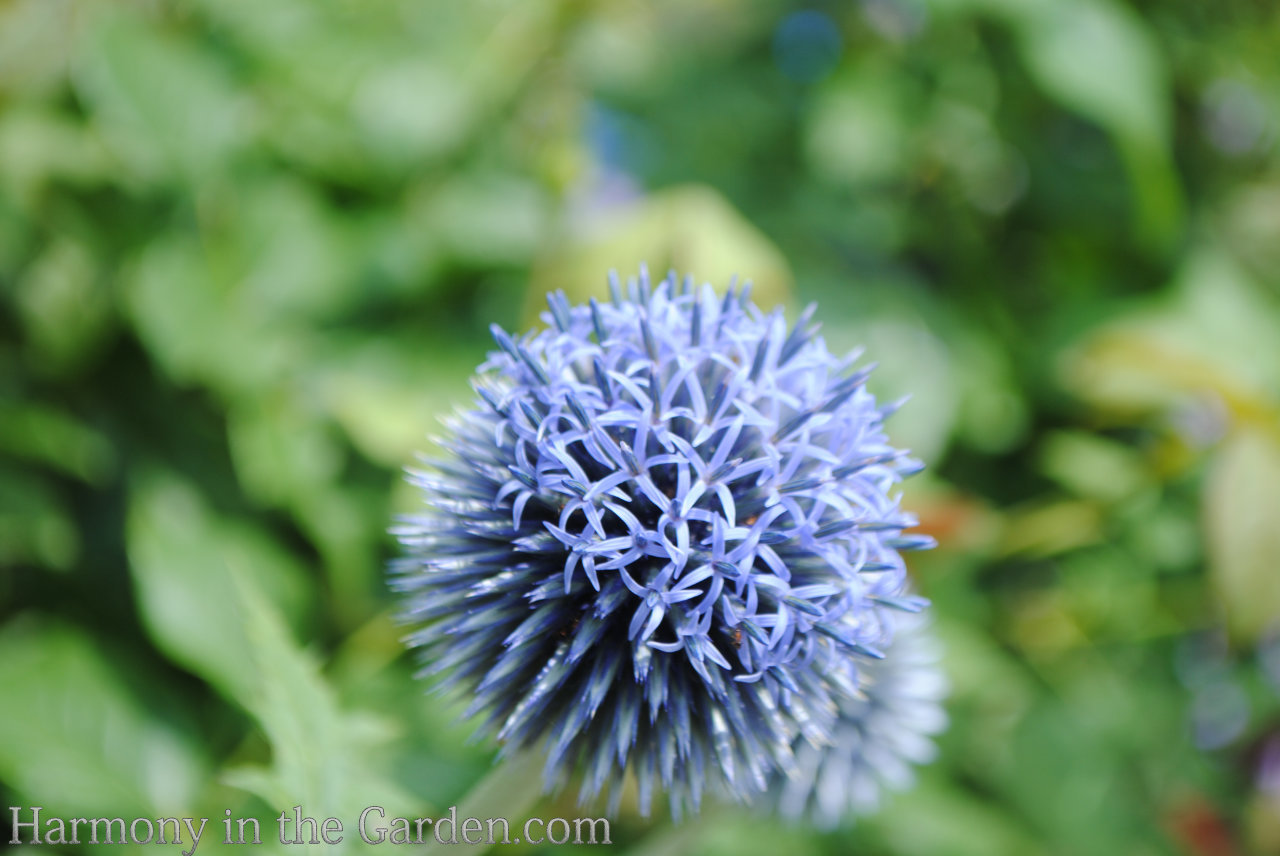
(249,253)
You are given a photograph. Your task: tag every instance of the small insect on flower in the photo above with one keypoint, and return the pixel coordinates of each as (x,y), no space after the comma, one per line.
(662,541)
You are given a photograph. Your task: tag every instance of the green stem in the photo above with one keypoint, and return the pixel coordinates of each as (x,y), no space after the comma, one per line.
(677,839)
(508,791)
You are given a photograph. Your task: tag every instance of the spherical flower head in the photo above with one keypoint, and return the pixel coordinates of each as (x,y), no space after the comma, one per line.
(882,733)
(663,541)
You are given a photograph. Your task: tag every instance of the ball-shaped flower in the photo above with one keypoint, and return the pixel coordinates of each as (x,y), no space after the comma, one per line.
(883,732)
(662,541)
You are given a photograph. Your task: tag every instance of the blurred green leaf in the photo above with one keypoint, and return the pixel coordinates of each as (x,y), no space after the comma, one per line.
(283,451)
(491,217)
(983,672)
(56,440)
(288,455)
(163,103)
(39,145)
(319,754)
(692,229)
(65,308)
(286,254)
(993,413)
(191,322)
(347,528)
(35,525)
(855,132)
(80,740)
(939,817)
(1097,58)
(511,789)
(1212,337)
(1241,497)
(1091,466)
(389,396)
(1049,528)
(910,363)
(36,40)
(178,311)
(184,558)
(412,111)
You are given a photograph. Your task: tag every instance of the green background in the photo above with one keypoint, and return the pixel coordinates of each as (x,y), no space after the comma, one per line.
(249,252)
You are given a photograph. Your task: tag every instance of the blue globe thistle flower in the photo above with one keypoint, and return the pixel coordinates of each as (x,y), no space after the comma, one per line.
(663,541)
(882,733)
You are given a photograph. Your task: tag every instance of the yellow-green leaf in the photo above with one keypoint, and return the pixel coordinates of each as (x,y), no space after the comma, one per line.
(1241,501)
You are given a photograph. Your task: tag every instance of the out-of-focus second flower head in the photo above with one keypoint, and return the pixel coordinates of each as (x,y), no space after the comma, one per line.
(882,733)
